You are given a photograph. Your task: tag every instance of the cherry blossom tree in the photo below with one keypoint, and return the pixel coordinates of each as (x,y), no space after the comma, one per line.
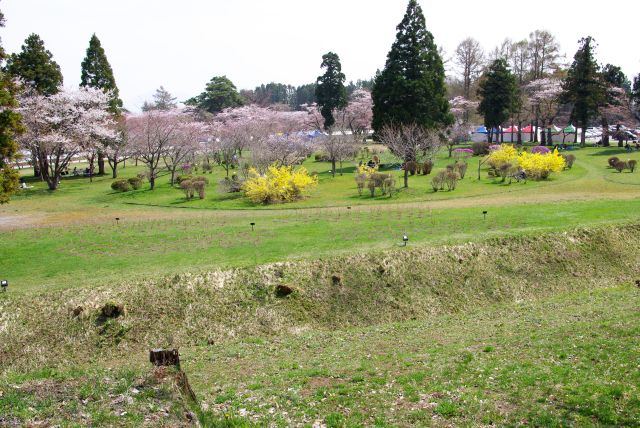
(151,134)
(461,128)
(357,116)
(543,96)
(282,141)
(118,149)
(184,144)
(62,126)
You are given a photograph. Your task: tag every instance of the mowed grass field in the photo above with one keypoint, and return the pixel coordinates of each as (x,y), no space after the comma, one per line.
(70,237)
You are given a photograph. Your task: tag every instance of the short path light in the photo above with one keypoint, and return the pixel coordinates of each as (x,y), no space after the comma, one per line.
(405,239)
(484,213)
(4,284)
(252,225)
(117,220)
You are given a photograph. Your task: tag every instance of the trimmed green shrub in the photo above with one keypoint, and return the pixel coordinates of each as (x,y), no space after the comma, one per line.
(135,182)
(427,167)
(199,186)
(188,188)
(612,161)
(569,160)
(182,178)
(620,166)
(121,185)
(632,165)
(480,149)
(411,166)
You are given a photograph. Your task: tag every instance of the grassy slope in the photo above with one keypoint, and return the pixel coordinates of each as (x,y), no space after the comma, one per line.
(567,361)
(39,329)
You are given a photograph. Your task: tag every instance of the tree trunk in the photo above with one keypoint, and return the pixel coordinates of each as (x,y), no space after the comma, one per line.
(53,182)
(36,165)
(406,176)
(605,132)
(333,167)
(152,179)
(101,170)
(114,170)
(173,174)
(535,129)
(583,134)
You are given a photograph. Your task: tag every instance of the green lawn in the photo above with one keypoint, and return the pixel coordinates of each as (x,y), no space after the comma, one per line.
(70,237)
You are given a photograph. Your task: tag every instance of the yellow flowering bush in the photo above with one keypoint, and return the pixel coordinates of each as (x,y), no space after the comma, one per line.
(540,165)
(367,170)
(502,156)
(279,184)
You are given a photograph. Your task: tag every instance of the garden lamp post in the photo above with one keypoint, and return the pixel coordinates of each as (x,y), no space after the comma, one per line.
(117,221)
(405,239)
(484,213)
(252,225)
(4,284)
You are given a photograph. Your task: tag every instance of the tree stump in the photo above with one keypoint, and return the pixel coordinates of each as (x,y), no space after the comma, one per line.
(164,357)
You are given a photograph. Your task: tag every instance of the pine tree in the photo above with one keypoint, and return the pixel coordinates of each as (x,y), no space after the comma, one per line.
(35,66)
(635,93)
(97,73)
(584,87)
(331,93)
(411,88)
(219,94)
(163,100)
(499,96)
(10,126)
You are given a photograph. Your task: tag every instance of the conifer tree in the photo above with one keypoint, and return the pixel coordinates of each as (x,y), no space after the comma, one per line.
(97,73)
(498,92)
(35,66)
(411,88)
(219,94)
(10,126)
(584,87)
(331,93)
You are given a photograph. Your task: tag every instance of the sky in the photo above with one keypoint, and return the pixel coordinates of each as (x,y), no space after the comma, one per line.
(183,44)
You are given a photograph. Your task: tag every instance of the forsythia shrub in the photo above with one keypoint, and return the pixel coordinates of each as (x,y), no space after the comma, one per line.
(540,165)
(504,155)
(279,184)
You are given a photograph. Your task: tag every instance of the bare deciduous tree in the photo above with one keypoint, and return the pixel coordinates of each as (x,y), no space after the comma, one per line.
(411,143)
(469,57)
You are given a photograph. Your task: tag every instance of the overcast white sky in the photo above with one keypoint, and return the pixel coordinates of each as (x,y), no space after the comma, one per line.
(182,44)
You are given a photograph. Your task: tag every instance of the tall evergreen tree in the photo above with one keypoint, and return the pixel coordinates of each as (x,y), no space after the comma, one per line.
(35,66)
(635,92)
(411,88)
(97,73)
(584,87)
(219,94)
(498,92)
(10,126)
(331,93)
(162,100)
